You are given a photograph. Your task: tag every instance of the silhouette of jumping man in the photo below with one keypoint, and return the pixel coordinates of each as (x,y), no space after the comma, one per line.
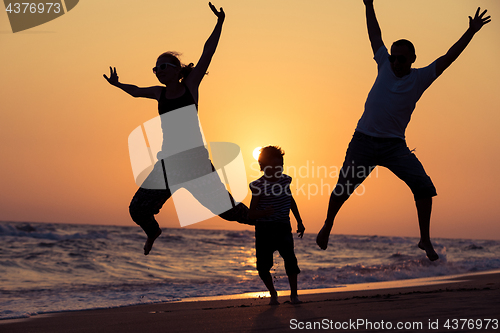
(180,91)
(379,138)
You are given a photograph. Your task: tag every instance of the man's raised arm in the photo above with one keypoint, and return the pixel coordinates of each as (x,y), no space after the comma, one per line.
(475,24)
(374,32)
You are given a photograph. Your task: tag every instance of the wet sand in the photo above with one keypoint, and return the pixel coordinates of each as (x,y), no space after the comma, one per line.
(423,305)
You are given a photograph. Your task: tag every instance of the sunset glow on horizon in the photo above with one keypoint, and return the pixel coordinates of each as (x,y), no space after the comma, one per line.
(285,73)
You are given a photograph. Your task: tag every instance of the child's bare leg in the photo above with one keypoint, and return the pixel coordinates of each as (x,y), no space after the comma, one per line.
(149,242)
(294,299)
(274,300)
(268,281)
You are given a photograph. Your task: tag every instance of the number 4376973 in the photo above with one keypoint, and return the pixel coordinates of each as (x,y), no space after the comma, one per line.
(472,324)
(33,8)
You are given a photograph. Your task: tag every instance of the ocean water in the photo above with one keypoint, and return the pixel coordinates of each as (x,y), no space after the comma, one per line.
(63,267)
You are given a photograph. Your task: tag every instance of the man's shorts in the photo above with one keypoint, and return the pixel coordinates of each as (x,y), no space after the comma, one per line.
(366,152)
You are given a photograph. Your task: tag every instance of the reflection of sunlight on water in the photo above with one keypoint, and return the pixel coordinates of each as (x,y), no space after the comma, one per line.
(56,267)
(249,259)
(246,260)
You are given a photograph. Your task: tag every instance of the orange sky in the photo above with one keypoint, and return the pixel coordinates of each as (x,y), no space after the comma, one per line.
(288,73)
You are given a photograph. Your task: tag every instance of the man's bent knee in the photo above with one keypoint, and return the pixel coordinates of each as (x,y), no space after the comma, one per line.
(340,194)
(424,193)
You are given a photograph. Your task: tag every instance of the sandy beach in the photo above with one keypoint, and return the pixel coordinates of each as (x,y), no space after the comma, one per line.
(465,303)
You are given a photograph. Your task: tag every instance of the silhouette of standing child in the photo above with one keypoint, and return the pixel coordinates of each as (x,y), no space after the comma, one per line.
(270,207)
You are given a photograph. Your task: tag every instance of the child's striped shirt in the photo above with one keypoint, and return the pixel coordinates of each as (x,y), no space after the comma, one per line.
(277,194)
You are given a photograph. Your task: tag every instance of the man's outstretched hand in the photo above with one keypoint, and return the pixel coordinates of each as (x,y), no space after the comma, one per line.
(476,23)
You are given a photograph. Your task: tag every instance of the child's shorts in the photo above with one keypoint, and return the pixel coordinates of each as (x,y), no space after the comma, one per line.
(275,236)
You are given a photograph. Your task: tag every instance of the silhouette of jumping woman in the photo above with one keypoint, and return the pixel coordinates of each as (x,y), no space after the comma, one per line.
(379,138)
(180,90)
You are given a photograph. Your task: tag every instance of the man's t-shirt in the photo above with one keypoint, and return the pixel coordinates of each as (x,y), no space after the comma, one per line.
(391,100)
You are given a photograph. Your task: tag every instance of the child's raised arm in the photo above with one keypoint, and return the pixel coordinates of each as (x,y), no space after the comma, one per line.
(135,91)
(296,214)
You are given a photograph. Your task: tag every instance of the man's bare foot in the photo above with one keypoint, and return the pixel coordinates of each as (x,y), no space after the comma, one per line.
(274,300)
(323,235)
(149,242)
(295,299)
(429,250)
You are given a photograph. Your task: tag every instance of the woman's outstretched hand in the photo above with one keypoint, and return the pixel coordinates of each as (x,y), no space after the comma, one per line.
(220,15)
(113,77)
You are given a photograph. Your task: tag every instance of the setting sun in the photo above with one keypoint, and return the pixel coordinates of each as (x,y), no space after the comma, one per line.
(256,153)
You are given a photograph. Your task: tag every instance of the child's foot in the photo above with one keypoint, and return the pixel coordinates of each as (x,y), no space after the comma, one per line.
(295,299)
(323,235)
(274,300)
(149,242)
(429,250)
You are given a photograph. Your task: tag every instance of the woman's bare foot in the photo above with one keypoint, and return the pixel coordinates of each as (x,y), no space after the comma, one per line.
(429,250)
(149,242)
(295,299)
(323,235)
